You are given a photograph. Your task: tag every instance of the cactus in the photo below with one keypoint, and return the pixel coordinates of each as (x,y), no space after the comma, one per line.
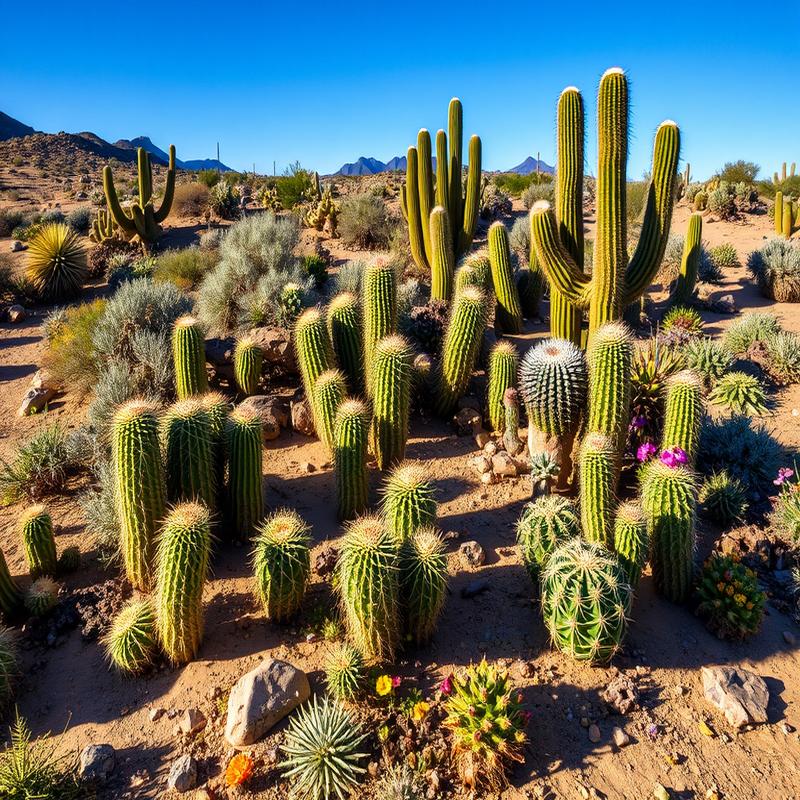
(683,410)
(788,217)
(131,640)
(184,549)
(344,327)
(313,348)
(546,523)
(391,399)
(188,447)
(38,541)
(475,270)
(103,227)
(9,664)
(423,582)
(140,489)
(442,258)
(462,343)
(683,290)
(69,560)
(723,498)
(778,213)
(368,584)
(598,464)
(41,597)
(282,563)
(11,598)
(631,543)
(143,220)
(330,390)
(245,501)
(408,500)
(615,282)
(188,353)
(218,407)
(503,365)
(351,438)
(344,672)
(379,311)
(508,312)
(668,501)
(511,440)
(57,265)
(544,472)
(248,358)
(290,303)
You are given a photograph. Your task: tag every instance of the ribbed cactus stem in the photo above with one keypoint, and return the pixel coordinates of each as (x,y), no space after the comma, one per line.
(245,500)
(475,270)
(189,355)
(788,218)
(683,409)
(778,213)
(631,542)
(598,478)
(425,188)
(38,541)
(131,640)
(248,358)
(344,326)
(511,440)
(351,438)
(545,524)
(503,366)
(508,313)
(218,407)
(11,597)
(379,310)
(442,258)
(391,399)
(188,450)
(330,390)
(313,348)
(409,501)
(423,582)
(690,261)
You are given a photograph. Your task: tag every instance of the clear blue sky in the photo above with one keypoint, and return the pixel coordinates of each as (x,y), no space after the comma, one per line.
(309,81)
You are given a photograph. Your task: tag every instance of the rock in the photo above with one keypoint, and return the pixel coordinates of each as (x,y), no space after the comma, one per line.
(660,793)
(276,345)
(482,439)
(308,467)
(325,562)
(34,401)
(192,721)
(489,449)
(472,554)
(474,588)
(97,762)
(273,412)
(263,697)
(503,465)
(481,464)
(726,304)
(18,247)
(156,714)
(789,638)
(621,739)
(219,352)
(302,421)
(786,728)
(468,422)
(44,380)
(16,313)
(487,477)
(594,733)
(621,694)
(740,694)
(183,774)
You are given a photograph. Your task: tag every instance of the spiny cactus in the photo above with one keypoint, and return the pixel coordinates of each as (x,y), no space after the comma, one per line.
(598,464)
(615,281)
(683,410)
(462,342)
(442,257)
(391,397)
(140,488)
(423,582)
(11,598)
(345,673)
(9,664)
(248,358)
(475,270)
(379,311)
(668,501)
(344,326)
(631,543)
(245,500)
(330,390)
(188,453)
(544,473)
(103,227)
(723,498)
(511,440)
(690,261)
(57,265)
(69,560)
(41,597)
(503,366)
(313,348)
(508,312)
(408,500)
(545,523)
(282,563)
(184,549)
(38,541)
(131,640)
(585,601)
(189,355)
(290,303)
(141,218)
(351,439)
(218,407)
(369,588)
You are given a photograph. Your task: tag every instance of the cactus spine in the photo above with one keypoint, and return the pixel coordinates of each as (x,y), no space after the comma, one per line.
(683,408)
(546,523)
(38,541)
(598,478)
(631,543)
(423,582)
(42,596)
(344,327)
(508,313)
(690,261)
(442,259)
(379,311)
(243,445)
(188,453)
(330,390)
(131,641)
(188,353)
(217,406)
(408,501)
(248,358)
(503,365)
(351,438)
(391,399)
(475,270)
(313,348)
(11,597)
(184,549)
(140,489)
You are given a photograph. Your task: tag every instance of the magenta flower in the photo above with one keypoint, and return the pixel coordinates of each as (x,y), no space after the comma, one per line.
(396,681)
(673,456)
(645,452)
(446,686)
(784,473)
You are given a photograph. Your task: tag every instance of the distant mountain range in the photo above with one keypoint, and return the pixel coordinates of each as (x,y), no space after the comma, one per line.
(159,155)
(372,166)
(529,165)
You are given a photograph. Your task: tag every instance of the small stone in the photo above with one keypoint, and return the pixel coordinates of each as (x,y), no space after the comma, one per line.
(503,465)
(487,478)
(17,246)
(156,714)
(795,412)
(621,739)
(272,411)
(308,467)
(490,448)
(679,690)
(325,562)
(97,762)
(192,722)
(660,793)
(481,464)
(787,728)
(16,313)
(472,554)
(621,694)
(474,588)
(594,733)
(740,694)
(482,438)
(183,774)
(712,793)
(789,638)
(585,722)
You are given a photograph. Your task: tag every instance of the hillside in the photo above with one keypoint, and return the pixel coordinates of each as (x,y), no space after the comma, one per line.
(11,128)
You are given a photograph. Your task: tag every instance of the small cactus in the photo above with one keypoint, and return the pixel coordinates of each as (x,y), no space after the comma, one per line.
(723,498)
(423,582)
(41,597)
(248,359)
(344,672)
(344,327)
(351,438)
(330,390)
(313,348)
(546,523)
(598,475)
(189,355)
(379,311)
(391,399)
(245,501)
(38,541)
(408,500)
(69,560)
(476,271)
(683,410)
(511,440)
(11,597)
(503,365)
(131,640)
(188,453)
(631,543)
(508,314)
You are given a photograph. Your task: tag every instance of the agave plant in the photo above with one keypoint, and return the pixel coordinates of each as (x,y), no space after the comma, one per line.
(756,327)
(57,265)
(708,358)
(783,357)
(680,325)
(740,393)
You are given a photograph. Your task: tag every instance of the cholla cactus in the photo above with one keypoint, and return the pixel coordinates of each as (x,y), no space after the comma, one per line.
(409,500)
(723,498)
(503,365)
(631,542)
(131,640)
(11,597)
(38,541)
(379,311)
(508,312)
(344,672)
(391,399)
(248,359)
(243,446)
(546,523)
(189,356)
(41,597)
(344,326)
(188,453)
(330,390)
(351,438)
(423,582)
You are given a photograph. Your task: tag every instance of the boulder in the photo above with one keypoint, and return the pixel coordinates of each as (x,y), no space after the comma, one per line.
(472,554)
(302,420)
(97,762)
(503,465)
(273,412)
(183,774)
(16,313)
(468,422)
(740,694)
(34,401)
(276,345)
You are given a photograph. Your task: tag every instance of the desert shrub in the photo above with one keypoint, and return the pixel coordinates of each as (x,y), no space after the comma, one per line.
(80,219)
(101,254)
(293,185)
(515,184)
(520,239)
(11,218)
(185,268)
(99,509)
(722,203)
(707,271)
(212,239)
(208,177)
(538,191)
(495,203)
(776,270)
(266,304)
(756,327)
(53,216)
(636,199)
(191,200)
(348,277)
(316,268)
(785,516)
(223,200)
(692,190)
(724,256)
(400,249)
(783,357)
(364,222)
(40,466)
(739,172)
(425,325)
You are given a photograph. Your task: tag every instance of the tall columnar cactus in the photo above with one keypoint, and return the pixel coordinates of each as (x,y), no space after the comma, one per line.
(690,261)
(103,227)
(598,479)
(344,327)
(245,499)
(189,355)
(38,541)
(218,407)
(631,542)
(142,219)
(683,409)
(351,439)
(615,282)
(313,348)
(442,258)
(462,343)
(282,563)
(11,597)
(508,312)
(418,196)
(475,270)
(788,217)
(778,213)
(248,359)
(188,452)
(379,310)
(669,499)
(184,550)
(503,366)
(140,489)
(546,523)
(330,391)
(409,500)
(369,588)
(391,399)
(423,582)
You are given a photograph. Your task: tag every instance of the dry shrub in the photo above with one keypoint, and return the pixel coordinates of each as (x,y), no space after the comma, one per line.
(191,200)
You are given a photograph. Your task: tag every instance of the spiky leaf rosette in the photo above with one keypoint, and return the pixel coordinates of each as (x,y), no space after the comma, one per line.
(189,356)
(683,409)
(182,559)
(188,453)
(218,407)
(351,439)
(312,347)
(322,751)
(487,722)
(708,357)
(379,311)
(9,664)
(140,488)
(723,498)
(245,500)
(330,390)
(391,399)
(631,542)
(131,640)
(282,563)
(585,600)
(544,472)
(756,327)
(545,523)
(783,352)
(610,355)
(38,541)
(730,597)
(57,265)
(408,500)
(344,672)
(503,365)
(369,588)
(423,582)
(598,467)
(248,358)
(462,342)
(682,322)
(344,326)
(42,595)
(11,597)
(508,313)
(740,393)
(669,499)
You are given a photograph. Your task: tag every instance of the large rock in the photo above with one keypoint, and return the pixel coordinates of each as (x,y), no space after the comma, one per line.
(302,421)
(262,698)
(97,762)
(740,694)
(276,344)
(183,774)
(273,412)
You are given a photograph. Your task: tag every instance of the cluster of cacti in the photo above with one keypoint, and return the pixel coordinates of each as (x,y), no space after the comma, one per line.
(324,214)
(42,596)
(344,327)
(188,451)
(330,390)
(378,311)
(141,218)
(683,291)
(391,399)
(189,356)
(723,498)
(508,311)
(409,501)
(345,673)
(9,664)
(268,199)
(786,213)
(351,439)
(243,447)
(38,541)
(11,597)
(103,227)
(423,582)
(132,640)
(248,359)
(546,523)
(57,265)
(780,178)
(503,366)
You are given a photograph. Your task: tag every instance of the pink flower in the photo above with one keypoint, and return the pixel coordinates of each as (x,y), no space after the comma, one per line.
(645,452)
(396,681)
(673,456)
(446,686)
(784,473)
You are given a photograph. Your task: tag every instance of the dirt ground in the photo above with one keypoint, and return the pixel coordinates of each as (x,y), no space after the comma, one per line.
(69,683)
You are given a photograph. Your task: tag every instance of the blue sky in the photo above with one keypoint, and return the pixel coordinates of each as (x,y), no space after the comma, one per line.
(324,84)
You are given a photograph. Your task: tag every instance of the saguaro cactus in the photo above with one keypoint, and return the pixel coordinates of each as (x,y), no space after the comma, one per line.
(344,326)
(615,282)
(248,358)
(408,500)
(508,312)
(103,226)
(38,541)
(245,504)
(330,390)
(391,396)
(379,310)
(189,355)
(351,437)
(778,212)
(690,261)
(188,453)
(503,365)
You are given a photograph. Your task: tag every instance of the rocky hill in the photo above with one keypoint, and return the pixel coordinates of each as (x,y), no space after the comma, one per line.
(10,128)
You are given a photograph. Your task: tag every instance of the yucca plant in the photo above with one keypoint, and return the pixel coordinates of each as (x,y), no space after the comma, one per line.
(503,365)
(756,327)
(243,446)
(131,640)
(708,358)
(351,438)
(740,393)
(545,523)
(41,597)
(723,498)
(409,500)
(248,359)
(38,541)
(9,664)
(423,582)
(345,673)
(189,357)
(57,265)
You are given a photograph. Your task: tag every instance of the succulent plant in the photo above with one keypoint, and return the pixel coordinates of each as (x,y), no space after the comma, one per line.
(41,597)
(282,563)
(391,399)
(690,261)
(682,324)
(598,466)
(290,303)
(401,782)
(756,327)
(9,664)
(344,327)
(351,438)
(740,393)
(243,446)
(475,270)
(248,359)
(544,473)
(189,356)
(683,408)
(708,358)
(508,312)
(189,466)
(11,597)
(442,257)
(345,673)
(330,390)
(785,516)
(546,523)
(131,639)
(503,365)
(723,498)
(57,266)
(724,256)
(631,542)
(379,311)
(313,348)
(776,270)
(218,407)
(69,560)
(408,501)
(783,354)
(38,541)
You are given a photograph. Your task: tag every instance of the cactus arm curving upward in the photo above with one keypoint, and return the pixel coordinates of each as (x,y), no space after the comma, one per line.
(415,223)
(125,222)
(455,132)
(425,184)
(690,261)
(169,189)
(472,199)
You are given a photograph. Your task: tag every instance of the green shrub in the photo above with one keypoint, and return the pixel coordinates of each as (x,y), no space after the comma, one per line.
(538,191)
(514,184)
(191,200)
(724,256)
(10,219)
(316,268)
(208,177)
(80,219)
(40,466)
(776,270)
(223,201)
(293,185)
(364,222)
(185,268)
(739,171)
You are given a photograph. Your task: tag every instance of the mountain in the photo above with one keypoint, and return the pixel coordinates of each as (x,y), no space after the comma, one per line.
(11,128)
(161,157)
(205,163)
(398,164)
(529,165)
(364,166)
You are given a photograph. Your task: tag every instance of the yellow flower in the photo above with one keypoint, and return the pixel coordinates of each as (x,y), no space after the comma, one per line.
(720,587)
(729,591)
(420,710)
(383,685)
(739,598)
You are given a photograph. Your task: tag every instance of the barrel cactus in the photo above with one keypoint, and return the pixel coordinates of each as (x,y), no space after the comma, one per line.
(408,500)
(189,356)
(248,359)
(598,464)
(245,500)
(379,311)
(475,270)
(503,365)
(330,390)
(344,327)
(345,674)
(42,596)
(723,498)
(188,453)
(391,399)
(131,640)
(57,265)
(351,438)
(631,542)
(38,541)
(11,597)
(423,582)
(546,523)
(508,312)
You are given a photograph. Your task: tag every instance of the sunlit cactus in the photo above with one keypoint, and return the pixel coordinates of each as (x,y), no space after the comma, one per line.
(409,500)
(508,312)
(189,356)
(243,445)
(503,365)
(38,541)
(423,582)
(344,327)
(248,359)
(351,438)
(391,399)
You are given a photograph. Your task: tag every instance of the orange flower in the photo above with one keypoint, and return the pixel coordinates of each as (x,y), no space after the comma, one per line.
(420,710)
(240,768)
